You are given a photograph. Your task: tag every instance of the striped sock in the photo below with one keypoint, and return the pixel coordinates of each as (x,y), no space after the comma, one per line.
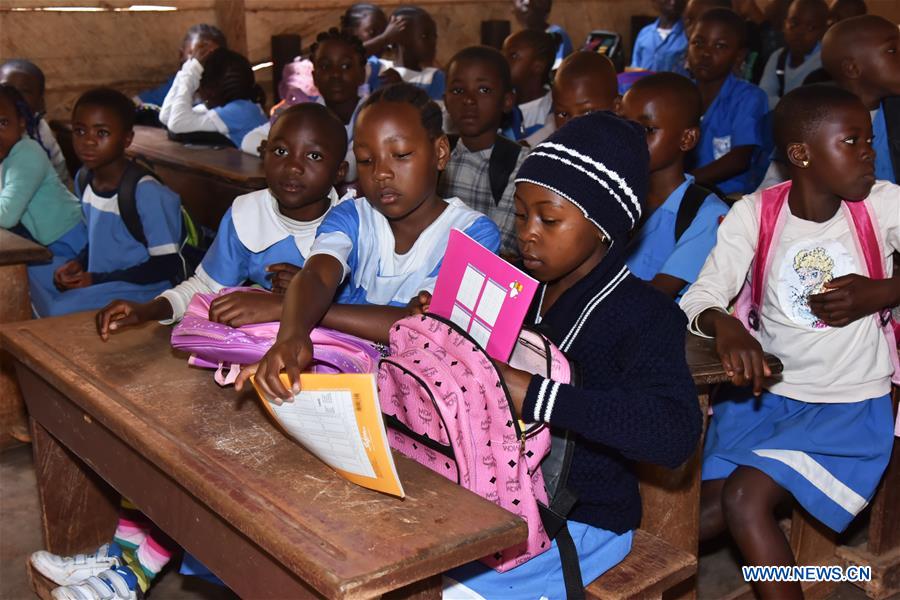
(132,527)
(148,561)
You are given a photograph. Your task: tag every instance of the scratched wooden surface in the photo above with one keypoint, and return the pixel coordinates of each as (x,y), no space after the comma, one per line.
(218,445)
(15,249)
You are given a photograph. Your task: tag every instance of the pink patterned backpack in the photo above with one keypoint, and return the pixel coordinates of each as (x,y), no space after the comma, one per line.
(225,348)
(446,407)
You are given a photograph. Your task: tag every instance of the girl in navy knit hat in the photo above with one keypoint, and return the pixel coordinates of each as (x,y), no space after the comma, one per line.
(577,199)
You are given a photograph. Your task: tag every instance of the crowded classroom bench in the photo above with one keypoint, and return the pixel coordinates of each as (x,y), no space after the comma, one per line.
(15,253)
(136,416)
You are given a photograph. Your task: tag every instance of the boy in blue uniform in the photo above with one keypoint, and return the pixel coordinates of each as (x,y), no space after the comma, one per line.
(114,264)
(668,107)
(734,144)
(862,55)
(661,44)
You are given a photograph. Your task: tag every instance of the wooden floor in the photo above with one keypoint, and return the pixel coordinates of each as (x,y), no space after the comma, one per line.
(20,535)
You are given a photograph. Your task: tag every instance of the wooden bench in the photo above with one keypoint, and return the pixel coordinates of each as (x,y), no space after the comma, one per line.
(205,464)
(664,550)
(207,179)
(15,305)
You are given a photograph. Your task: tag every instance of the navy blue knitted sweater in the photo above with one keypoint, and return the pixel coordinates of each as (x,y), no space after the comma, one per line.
(637,401)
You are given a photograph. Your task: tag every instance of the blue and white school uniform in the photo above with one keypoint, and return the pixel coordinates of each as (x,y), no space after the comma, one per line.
(657,49)
(530,117)
(793,76)
(234,120)
(823,429)
(737,117)
(252,235)
(361,239)
(430,79)
(653,249)
(156,96)
(884,167)
(565,47)
(112,248)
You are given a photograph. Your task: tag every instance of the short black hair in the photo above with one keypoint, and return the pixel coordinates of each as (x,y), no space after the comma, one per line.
(728,18)
(687,95)
(413,11)
(114,100)
(487,55)
(320,113)
(354,15)
(230,75)
(339,35)
(207,32)
(429,112)
(25,66)
(801,111)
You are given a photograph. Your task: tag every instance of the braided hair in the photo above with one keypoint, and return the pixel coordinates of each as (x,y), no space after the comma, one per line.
(429,112)
(14,97)
(336,35)
(229,75)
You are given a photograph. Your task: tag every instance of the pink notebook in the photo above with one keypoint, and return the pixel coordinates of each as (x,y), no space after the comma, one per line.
(483,294)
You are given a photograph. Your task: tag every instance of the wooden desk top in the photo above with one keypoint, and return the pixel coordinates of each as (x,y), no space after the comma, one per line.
(15,249)
(342,539)
(230,164)
(705,364)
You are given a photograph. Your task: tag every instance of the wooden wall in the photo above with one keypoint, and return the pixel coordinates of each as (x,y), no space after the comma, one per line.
(134,50)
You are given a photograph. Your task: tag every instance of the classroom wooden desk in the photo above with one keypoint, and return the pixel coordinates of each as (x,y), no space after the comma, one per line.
(15,305)
(207,179)
(213,472)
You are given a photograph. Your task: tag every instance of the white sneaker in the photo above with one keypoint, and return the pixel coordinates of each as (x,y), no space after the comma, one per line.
(109,585)
(67,570)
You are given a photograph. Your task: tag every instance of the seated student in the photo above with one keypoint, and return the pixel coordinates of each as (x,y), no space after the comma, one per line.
(338,71)
(660,45)
(585,83)
(28,78)
(386,247)
(33,201)
(692,12)
(479,92)
(533,14)
(264,238)
(862,55)
(231,101)
(414,53)
(199,40)
(733,142)
(844,9)
(821,433)
(789,66)
(666,251)
(637,401)
(530,55)
(369,23)
(114,264)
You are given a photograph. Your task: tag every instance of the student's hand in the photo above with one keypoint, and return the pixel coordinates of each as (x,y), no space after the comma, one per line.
(292,355)
(202,51)
(420,304)
(242,308)
(852,297)
(741,355)
(395,28)
(281,275)
(68,274)
(124,313)
(389,76)
(516,382)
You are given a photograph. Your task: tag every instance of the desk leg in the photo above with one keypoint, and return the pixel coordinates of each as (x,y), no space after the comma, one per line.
(78,510)
(15,305)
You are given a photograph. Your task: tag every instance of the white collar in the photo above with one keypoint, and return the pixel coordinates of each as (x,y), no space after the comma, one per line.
(259,224)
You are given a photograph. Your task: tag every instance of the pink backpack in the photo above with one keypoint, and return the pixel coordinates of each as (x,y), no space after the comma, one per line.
(225,349)
(772,211)
(446,407)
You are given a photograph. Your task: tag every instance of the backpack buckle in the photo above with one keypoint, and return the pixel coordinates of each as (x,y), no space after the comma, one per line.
(753,319)
(885,317)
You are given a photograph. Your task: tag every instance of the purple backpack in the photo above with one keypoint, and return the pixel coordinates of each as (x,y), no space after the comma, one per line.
(225,348)
(446,407)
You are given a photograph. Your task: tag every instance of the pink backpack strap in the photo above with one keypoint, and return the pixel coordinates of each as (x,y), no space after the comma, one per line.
(772,212)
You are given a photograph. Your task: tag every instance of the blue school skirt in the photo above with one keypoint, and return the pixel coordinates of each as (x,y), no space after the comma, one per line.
(47,301)
(830,457)
(541,577)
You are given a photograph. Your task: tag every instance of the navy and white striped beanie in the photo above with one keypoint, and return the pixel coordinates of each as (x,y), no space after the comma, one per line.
(600,163)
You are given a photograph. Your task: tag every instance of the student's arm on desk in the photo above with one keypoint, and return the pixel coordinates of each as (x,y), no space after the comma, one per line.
(727,166)
(178,112)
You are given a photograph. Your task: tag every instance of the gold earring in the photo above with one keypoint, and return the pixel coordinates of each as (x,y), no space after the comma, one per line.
(604,239)
(805,163)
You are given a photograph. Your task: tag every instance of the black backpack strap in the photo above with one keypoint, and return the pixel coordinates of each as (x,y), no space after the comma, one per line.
(690,206)
(891,108)
(82,180)
(571,568)
(501,166)
(127,200)
(779,70)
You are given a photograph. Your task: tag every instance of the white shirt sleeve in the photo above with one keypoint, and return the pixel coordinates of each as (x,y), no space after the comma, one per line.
(178,112)
(725,270)
(180,295)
